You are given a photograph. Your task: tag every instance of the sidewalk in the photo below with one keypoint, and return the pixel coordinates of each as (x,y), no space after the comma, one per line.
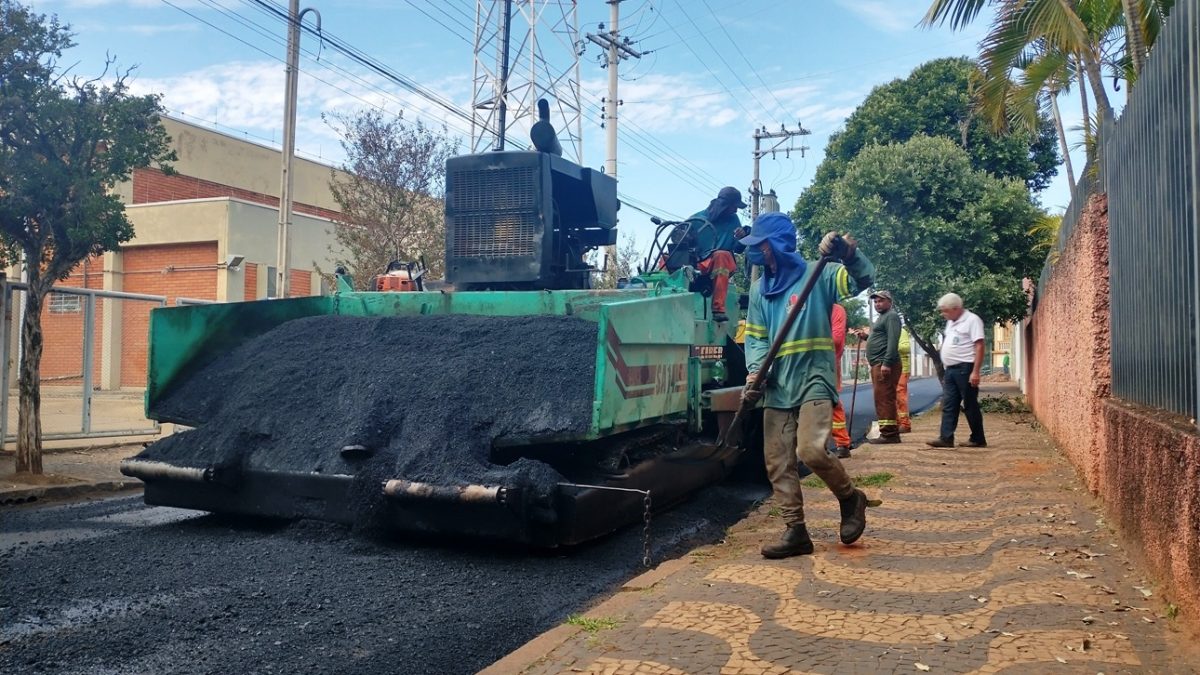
(68,473)
(977,561)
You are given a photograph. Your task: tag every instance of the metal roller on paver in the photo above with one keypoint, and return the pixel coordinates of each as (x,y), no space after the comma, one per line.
(522,405)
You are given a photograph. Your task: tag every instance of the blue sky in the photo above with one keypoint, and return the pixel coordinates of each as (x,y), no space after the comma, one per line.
(688,111)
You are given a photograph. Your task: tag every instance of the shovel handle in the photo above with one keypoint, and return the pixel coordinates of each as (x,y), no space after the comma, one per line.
(758,377)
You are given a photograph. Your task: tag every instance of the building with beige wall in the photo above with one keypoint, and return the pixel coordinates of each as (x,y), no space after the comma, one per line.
(219,204)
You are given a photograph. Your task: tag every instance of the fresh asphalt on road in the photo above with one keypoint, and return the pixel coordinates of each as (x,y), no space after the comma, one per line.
(114,586)
(922,393)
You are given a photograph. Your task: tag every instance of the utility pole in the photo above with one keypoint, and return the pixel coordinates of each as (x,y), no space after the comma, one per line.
(292,84)
(617,49)
(784,135)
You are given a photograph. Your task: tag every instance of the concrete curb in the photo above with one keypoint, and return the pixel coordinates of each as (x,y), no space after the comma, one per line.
(616,605)
(23,495)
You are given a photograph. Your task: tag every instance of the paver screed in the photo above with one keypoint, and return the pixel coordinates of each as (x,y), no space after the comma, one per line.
(979,560)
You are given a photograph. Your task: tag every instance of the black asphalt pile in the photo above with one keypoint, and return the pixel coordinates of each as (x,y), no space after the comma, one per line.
(426,395)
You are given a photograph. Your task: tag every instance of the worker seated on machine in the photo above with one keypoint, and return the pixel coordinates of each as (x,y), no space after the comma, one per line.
(708,241)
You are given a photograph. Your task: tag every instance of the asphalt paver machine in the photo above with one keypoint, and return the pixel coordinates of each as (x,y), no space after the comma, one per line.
(519,228)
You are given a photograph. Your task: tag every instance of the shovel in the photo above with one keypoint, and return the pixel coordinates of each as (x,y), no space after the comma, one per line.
(733,434)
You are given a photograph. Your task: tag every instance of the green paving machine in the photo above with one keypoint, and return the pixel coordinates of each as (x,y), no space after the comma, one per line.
(519,228)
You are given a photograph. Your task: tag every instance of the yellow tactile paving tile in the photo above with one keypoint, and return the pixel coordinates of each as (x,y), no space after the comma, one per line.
(1007,651)
(894,628)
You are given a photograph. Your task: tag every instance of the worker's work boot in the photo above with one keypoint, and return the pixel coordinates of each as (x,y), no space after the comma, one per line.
(975,444)
(854,516)
(884,440)
(795,541)
(843,452)
(720,317)
(941,443)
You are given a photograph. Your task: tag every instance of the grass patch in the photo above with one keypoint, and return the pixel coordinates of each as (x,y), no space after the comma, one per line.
(870,480)
(775,512)
(1004,404)
(1172,611)
(592,625)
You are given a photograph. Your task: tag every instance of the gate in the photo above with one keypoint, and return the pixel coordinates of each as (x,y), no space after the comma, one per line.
(83,395)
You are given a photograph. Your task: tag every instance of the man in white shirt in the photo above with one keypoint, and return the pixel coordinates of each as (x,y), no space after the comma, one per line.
(962,355)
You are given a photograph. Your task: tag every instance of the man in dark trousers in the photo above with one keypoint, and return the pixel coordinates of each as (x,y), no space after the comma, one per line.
(962,355)
(883,353)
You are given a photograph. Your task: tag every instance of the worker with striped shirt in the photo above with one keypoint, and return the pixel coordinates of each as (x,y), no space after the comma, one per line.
(801,385)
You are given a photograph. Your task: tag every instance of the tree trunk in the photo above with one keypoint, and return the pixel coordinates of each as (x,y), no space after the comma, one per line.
(29,409)
(1087,115)
(1091,65)
(931,351)
(1062,139)
(1135,38)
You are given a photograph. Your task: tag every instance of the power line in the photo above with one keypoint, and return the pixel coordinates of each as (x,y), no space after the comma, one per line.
(782,108)
(711,72)
(439,7)
(315,58)
(732,71)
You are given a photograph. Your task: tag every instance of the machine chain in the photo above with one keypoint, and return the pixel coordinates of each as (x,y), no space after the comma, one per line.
(646,530)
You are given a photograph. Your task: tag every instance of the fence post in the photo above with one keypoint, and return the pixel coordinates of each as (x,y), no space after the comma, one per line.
(89,343)
(5,332)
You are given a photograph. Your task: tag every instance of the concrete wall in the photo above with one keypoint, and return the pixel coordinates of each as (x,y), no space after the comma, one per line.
(1143,464)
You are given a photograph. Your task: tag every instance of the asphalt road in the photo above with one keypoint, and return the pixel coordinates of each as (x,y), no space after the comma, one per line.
(922,393)
(113,586)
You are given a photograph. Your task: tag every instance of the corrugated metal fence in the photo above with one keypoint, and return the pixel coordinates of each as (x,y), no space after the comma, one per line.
(1151,171)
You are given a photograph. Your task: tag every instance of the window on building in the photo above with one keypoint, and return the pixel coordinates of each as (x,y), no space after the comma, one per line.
(65,303)
(272,282)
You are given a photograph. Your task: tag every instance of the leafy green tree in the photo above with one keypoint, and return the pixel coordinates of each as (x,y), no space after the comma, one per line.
(934,223)
(856,312)
(65,143)
(936,99)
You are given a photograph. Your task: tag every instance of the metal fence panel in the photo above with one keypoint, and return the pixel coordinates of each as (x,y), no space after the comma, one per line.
(89,389)
(1152,176)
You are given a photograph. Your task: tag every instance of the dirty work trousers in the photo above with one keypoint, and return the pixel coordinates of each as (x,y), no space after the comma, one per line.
(798,435)
(902,404)
(957,391)
(885,399)
(719,266)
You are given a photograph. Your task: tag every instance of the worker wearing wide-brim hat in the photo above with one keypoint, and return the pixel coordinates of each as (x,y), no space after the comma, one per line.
(801,384)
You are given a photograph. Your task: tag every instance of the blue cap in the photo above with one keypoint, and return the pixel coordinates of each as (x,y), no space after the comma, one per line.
(771,225)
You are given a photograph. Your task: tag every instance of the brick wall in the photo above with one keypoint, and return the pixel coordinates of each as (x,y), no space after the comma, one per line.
(62,346)
(152,185)
(144,273)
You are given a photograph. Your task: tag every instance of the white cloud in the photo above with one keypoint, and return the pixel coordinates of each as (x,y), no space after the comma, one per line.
(889,15)
(151,29)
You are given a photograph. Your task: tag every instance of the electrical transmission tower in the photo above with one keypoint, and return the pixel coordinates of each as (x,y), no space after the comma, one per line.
(526,50)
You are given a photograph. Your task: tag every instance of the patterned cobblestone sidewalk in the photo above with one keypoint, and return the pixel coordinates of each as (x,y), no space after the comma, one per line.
(978,561)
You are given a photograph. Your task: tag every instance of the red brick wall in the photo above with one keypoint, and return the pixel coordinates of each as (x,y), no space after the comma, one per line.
(152,185)
(62,348)
(250,273)
(144,273)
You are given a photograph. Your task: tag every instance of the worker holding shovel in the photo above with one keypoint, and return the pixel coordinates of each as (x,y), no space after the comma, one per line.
(800,385)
